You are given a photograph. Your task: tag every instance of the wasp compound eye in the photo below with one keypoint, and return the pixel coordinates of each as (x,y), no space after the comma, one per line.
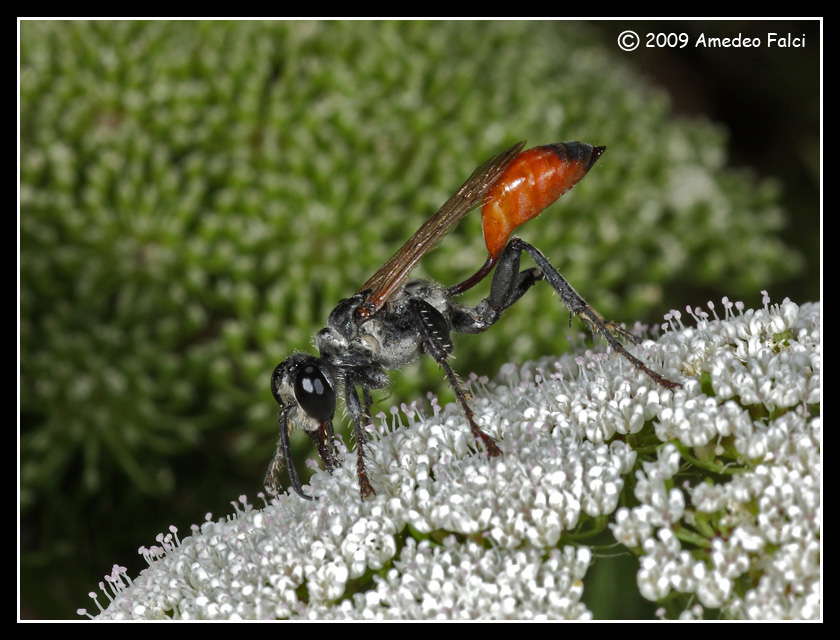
(314,393)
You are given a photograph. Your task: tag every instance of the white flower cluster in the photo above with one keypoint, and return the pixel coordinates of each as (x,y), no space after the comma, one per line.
(451,534)
(759,433)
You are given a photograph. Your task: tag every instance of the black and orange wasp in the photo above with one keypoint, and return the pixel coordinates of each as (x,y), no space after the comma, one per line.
(391,320)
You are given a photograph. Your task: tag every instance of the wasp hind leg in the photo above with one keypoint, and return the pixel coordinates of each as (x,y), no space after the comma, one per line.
(509,284)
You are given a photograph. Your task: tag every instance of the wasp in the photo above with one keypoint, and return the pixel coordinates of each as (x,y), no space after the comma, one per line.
(392,320)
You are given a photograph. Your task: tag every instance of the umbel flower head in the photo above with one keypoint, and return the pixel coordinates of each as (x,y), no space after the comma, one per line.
(714,486)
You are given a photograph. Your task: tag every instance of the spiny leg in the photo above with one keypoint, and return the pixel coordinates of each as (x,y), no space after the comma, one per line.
(435,333)
(366,416)
(508,286)
(282,456)
(324,439)
(461,394)
(354,407)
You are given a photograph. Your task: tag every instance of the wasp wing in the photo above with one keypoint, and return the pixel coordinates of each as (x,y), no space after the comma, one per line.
(394,272)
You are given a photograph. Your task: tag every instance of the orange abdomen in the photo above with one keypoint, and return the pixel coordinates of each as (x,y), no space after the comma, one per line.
(531,183)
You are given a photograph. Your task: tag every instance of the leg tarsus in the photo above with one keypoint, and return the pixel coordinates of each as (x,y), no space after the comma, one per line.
(358,414)
(283,455)
(324,439)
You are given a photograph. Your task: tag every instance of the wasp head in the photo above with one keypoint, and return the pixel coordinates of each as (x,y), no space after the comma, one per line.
(305,389)
(305,381)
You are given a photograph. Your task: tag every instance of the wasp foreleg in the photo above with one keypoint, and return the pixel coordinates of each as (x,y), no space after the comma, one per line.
(282,456)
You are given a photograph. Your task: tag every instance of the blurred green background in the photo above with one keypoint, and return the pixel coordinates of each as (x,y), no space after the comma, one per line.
(195,197)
